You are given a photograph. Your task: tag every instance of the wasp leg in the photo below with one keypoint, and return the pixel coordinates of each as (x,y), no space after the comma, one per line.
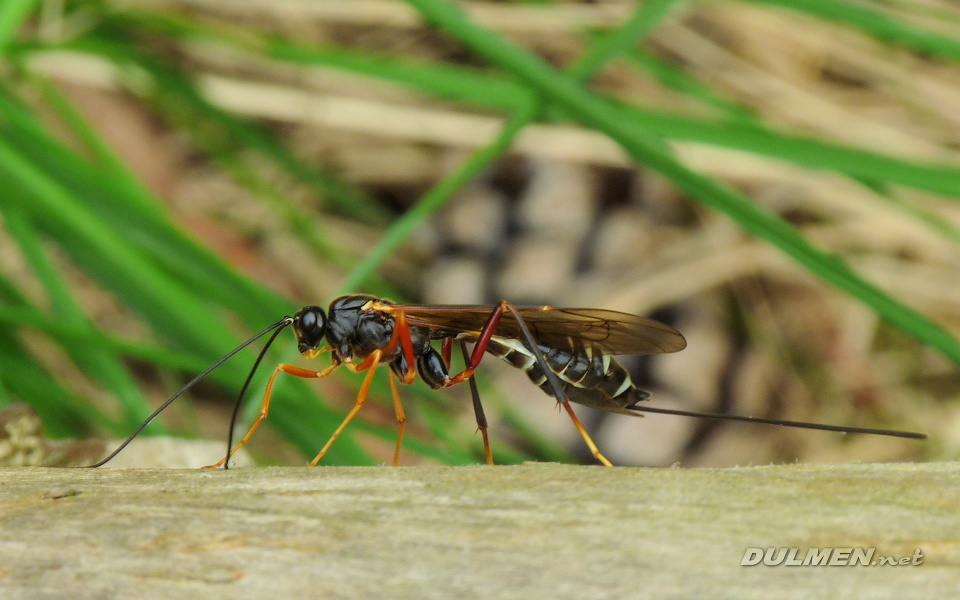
(483,340)
(555,385)
(370,363)
(480,347)
(401,417)
(401,335)
(265,406)
(477,406)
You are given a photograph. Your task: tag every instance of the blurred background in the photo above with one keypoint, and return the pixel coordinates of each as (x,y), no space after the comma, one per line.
(178,174)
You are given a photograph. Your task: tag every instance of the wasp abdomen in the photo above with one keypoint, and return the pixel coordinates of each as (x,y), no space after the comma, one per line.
(587,375)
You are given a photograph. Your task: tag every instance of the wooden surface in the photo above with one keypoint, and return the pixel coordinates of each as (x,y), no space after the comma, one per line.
(533,531)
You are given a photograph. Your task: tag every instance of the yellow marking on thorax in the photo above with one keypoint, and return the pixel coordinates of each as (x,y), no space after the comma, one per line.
(378,306)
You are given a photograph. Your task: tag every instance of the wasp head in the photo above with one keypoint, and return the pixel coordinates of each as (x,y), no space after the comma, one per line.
(310,325)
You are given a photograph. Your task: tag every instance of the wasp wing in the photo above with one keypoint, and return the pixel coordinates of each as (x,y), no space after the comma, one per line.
(611,331)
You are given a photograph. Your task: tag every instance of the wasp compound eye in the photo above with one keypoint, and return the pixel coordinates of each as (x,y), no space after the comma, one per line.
(310,325)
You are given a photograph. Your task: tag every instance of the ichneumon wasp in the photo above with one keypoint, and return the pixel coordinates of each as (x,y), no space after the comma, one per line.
(567,352)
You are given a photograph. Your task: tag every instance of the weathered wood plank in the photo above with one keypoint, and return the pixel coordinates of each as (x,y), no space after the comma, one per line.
(530,531)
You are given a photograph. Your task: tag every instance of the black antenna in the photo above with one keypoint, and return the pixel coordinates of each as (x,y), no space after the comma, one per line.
(799,424)
(243,390)
(279,325)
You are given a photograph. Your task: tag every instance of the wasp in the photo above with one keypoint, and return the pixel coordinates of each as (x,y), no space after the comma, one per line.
(566,352)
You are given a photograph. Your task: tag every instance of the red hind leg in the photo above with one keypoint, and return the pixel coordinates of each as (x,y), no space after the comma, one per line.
(483,341)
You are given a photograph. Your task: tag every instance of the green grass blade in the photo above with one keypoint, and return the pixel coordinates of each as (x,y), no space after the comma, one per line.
(431,202)
(619,40)
(100,363)
(166,307)
(72,333)
(496,92)
(874,23)
(623,38)
(146,229)
(174,91)
(12,14)
(594,112)
(131,188)
(27,381)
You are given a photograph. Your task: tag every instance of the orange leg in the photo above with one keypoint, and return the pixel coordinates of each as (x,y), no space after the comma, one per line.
(586,436)
(370,363)
(265,406)
(401,335)
(486,445)
(555,384)
(401,417)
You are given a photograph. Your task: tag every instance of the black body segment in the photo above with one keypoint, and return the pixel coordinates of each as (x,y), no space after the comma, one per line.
(354,332)
(587,376)
(432,369)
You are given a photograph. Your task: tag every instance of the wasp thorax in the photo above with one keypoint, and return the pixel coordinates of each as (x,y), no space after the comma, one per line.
(310,325)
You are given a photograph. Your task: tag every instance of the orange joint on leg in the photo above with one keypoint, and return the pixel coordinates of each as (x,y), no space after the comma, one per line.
(265,405)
